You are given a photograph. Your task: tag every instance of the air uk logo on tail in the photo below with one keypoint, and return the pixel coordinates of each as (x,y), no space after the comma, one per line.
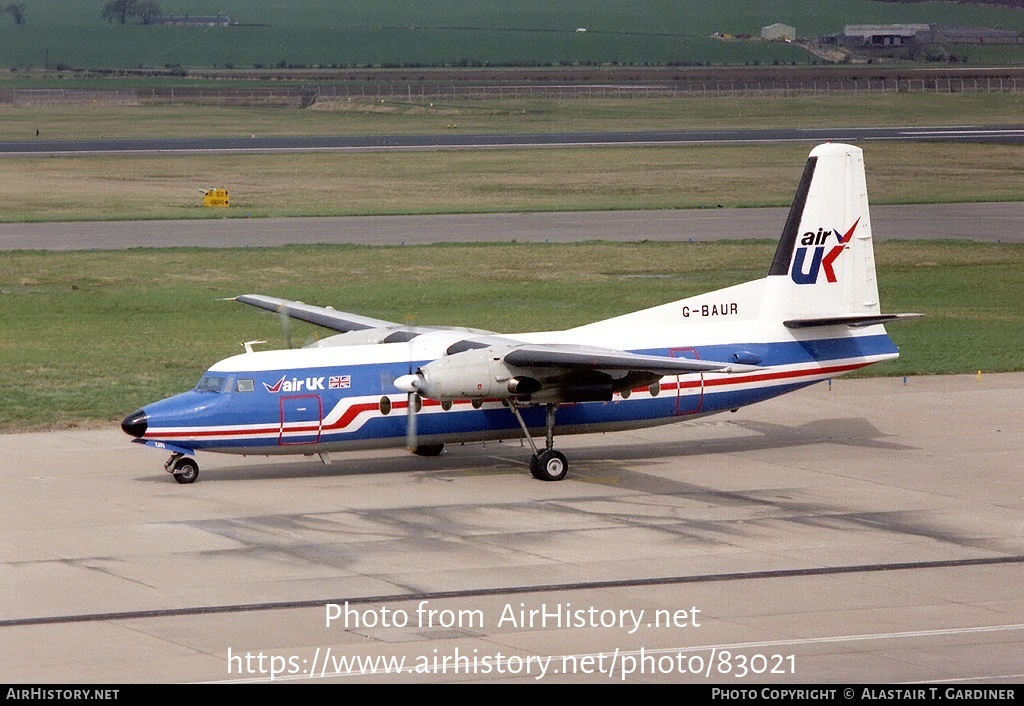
(804,272)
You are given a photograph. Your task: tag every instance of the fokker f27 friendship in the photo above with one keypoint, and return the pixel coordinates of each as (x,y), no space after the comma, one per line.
(381,384)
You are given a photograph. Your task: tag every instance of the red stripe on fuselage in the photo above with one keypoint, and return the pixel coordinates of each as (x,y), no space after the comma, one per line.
(355,410)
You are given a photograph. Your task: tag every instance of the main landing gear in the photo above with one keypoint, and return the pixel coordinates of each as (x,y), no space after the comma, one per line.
(184,469)
(547,464)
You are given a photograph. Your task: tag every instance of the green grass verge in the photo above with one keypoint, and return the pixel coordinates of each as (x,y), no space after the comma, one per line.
(92,336)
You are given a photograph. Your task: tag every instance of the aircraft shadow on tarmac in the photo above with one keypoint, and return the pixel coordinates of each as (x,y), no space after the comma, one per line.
(848,432)
(621,466)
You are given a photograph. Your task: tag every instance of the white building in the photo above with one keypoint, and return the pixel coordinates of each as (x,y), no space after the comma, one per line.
(778,32)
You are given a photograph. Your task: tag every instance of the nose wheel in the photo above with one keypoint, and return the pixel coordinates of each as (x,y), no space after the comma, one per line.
(184,469)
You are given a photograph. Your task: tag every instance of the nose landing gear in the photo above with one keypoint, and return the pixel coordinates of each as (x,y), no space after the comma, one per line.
(184,469)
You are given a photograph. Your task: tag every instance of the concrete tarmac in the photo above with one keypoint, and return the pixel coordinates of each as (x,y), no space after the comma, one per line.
(986,222)
(868,532)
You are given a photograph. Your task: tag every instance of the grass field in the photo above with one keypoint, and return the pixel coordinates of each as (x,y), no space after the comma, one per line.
(164,186)
(146,187)
(91,336)
(400,32)
(400,117)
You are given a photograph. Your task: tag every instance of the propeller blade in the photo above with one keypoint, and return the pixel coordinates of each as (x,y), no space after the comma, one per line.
(412,387)
(410,421)
(286,325)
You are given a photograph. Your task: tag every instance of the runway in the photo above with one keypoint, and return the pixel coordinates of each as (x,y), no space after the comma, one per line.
(865,533)
(1003,134)
(983,222)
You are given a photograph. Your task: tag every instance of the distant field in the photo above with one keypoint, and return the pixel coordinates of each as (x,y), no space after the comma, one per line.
(401,116)
(446,32)
(92,336)
(166,186)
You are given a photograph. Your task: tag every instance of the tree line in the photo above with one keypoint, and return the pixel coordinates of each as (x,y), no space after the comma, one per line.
(122,11)
(17,11)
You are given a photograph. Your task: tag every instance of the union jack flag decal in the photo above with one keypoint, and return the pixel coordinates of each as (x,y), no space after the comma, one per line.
(339,382)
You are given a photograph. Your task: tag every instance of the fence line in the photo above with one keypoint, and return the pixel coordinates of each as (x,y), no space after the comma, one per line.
(693,89)
(301,96)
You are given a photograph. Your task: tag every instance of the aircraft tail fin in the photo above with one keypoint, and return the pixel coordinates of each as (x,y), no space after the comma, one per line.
(822,274)
(824,266)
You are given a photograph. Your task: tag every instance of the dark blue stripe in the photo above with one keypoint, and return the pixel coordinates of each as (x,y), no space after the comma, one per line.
(194,409)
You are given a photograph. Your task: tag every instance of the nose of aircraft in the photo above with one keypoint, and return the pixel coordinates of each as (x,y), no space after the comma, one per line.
(135,423)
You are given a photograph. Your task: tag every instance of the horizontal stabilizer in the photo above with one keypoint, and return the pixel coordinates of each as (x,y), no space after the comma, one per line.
(850,320)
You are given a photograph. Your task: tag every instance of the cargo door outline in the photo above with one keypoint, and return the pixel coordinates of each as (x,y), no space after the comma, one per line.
(689,392)
(301,420)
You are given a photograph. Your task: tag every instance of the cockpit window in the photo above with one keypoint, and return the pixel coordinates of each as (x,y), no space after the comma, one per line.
(212,383)
(245,385)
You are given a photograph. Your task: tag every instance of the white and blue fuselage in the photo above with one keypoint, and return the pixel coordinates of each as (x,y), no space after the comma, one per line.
(323,400)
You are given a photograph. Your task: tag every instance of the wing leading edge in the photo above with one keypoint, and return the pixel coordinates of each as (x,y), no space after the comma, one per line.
(327,317)
(356,329)
(570,357)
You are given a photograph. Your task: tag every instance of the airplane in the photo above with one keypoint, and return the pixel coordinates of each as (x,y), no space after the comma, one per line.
(378,384)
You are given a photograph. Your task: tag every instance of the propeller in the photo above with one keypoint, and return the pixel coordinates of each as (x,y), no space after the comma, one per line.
(286,326)
(410,384)
(410,421)
(414,402)
(313,340)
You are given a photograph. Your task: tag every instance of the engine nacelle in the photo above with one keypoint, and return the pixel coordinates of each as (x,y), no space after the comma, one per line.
(476,373)
(481,373)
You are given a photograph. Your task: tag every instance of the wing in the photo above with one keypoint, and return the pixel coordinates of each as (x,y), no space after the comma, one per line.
(542,373)
(358,329)
(320,315)
(570,357)
(570,373)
